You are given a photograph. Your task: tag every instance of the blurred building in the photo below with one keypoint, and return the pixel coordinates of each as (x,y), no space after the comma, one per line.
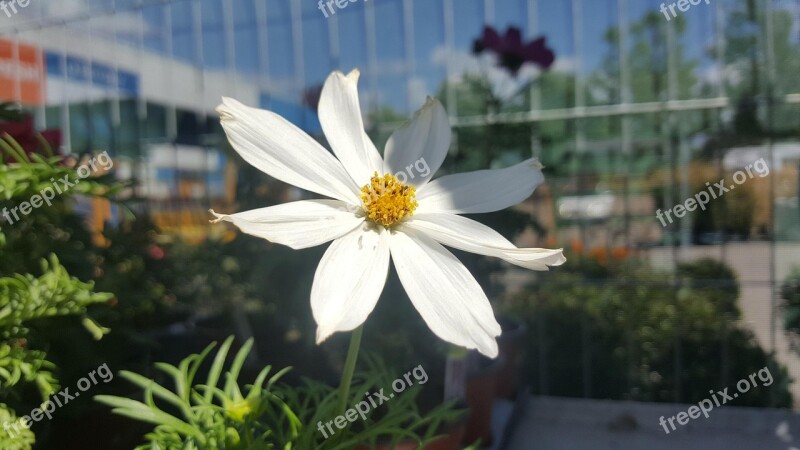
(630,93)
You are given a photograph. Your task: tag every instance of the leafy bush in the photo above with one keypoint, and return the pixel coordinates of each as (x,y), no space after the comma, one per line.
(639,334)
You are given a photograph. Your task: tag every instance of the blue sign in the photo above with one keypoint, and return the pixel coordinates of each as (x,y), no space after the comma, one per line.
(128,82)
(102,75)
(97,74)
(54,64)
(77,69)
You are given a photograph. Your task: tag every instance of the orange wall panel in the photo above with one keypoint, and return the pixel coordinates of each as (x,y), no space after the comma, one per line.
(22,73)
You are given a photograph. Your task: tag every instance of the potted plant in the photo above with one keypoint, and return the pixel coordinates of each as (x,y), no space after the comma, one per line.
(482,378)
(511,344)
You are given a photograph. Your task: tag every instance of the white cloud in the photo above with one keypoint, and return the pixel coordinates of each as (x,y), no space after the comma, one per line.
(731,74)
(417,92)
(80,13)
(65,8)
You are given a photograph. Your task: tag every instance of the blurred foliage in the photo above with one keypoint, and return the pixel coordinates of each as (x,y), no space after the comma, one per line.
(630,332)
(50,229)
(134,265)
(714,281)
(217,414)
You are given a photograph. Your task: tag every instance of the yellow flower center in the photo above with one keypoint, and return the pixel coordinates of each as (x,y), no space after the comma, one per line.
(387,200)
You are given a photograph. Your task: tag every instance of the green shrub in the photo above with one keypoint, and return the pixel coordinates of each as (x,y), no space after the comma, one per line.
(636,333)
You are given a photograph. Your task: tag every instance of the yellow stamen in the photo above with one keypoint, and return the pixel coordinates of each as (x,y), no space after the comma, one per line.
(387,200)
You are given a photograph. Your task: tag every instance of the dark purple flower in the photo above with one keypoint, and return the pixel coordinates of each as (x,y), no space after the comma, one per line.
(513,52)
(311,96)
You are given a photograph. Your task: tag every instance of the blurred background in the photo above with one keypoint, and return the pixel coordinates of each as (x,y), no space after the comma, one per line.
(631,111)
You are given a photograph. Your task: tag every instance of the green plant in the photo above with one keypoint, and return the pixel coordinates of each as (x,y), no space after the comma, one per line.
(24,298)
(14,441)
(210,417)
(217,415)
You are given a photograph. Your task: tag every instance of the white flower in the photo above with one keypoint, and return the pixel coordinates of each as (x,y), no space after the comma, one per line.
(372,216)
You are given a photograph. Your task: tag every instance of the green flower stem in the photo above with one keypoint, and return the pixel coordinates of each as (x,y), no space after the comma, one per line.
(349,368)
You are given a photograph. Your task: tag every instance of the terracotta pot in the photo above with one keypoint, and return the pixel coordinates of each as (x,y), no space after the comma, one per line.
(512,344)
(481,383)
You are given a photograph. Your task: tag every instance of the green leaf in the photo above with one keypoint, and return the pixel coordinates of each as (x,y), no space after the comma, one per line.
(158,390)
(216,366)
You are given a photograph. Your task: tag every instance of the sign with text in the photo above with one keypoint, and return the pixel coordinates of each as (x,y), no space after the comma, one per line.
(21,73)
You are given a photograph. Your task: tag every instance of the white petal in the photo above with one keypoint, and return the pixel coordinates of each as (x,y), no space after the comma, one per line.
(302,224)
(419,147)
(340,117)
(447,296)
(481,191)
(471,236)
(349,280)
(271,144)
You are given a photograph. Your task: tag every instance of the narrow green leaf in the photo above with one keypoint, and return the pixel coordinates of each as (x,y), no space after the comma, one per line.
(216,366)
